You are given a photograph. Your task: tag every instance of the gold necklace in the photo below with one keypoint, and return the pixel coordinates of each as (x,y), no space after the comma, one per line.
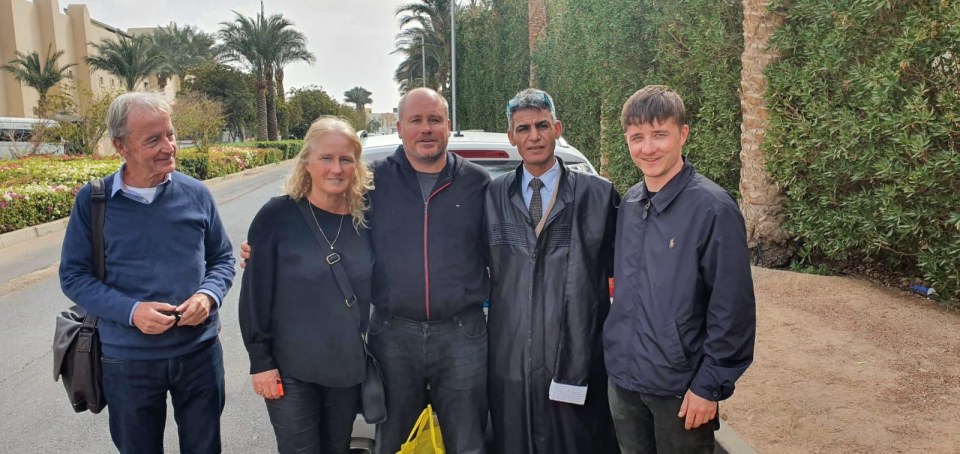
(331,243)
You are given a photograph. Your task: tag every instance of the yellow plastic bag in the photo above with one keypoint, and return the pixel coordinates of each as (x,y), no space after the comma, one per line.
(425,437)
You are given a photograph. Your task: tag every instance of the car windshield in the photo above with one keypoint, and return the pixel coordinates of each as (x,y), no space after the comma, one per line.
(499,168)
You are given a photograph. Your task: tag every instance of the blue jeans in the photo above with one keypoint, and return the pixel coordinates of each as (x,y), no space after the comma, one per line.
(310,418)
(451,357)
(136,393)
(648,424)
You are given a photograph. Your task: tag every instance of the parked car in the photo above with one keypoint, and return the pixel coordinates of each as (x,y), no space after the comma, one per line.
(492,151)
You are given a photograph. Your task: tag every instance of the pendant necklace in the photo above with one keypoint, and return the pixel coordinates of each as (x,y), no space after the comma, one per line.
(331,243)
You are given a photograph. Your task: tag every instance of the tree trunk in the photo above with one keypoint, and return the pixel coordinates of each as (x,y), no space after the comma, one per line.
(604,169)
(261,110)
(537,24)
(762,200)
(280,93)
(271,107)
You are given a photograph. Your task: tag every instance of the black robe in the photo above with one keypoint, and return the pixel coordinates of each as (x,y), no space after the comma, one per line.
(549,299)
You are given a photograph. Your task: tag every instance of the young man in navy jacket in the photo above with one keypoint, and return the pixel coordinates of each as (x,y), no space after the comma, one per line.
(682,326)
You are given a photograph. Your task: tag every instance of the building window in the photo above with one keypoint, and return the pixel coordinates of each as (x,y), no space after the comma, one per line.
(70,74)
(113,83)
(101,81)
(144,85)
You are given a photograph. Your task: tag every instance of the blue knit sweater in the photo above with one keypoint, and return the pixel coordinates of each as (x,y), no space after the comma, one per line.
(163,251)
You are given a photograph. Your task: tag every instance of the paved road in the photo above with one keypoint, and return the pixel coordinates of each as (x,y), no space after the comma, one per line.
(35,416)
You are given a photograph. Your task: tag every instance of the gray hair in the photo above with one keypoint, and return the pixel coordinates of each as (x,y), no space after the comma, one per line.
(119,111)
(530,98)
(430,91)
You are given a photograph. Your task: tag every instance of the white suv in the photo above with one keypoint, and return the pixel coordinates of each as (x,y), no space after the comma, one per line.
(492,150)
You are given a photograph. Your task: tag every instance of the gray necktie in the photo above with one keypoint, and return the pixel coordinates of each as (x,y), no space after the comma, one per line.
(536,203)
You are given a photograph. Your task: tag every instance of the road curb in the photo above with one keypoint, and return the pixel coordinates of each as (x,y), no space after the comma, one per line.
(728,442)
(18,236)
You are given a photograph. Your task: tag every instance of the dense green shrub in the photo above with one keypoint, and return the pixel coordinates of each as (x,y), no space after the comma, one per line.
(42,189)
(493,62)
(865,117)
(598,52)
(288,148)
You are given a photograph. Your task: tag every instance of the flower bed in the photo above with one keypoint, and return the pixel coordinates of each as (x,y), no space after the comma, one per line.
(41,189)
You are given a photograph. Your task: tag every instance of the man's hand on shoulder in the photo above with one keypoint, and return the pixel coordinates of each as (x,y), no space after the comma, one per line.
(195,309)
(245,252)
(149,317)
(696,410)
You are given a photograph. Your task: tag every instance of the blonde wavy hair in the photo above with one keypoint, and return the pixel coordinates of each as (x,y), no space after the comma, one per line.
(299,184)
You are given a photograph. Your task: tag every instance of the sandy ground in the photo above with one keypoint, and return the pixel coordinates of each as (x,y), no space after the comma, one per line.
(846,366)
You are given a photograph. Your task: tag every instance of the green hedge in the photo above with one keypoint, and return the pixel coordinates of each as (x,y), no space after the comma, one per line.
(865,117)
(288,148)
(36,190)
(864,104)
(598,52)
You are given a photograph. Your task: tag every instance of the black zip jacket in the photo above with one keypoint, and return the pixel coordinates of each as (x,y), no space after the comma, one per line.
(430,255)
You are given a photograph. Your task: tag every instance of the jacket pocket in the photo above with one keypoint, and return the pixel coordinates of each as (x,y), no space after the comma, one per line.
(673,346)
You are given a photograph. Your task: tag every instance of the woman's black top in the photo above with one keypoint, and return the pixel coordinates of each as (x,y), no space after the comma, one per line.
(292,314)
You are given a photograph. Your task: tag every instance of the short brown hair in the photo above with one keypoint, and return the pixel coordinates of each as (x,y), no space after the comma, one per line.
(653,103)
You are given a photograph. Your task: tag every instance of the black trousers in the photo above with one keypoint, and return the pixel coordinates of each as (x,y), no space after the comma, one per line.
(311,418)
(648,424)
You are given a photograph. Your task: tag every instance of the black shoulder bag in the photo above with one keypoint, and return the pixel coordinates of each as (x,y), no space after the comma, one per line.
(76,342)
(372,396)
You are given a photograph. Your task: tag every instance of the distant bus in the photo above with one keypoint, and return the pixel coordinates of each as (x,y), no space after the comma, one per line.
(16,137)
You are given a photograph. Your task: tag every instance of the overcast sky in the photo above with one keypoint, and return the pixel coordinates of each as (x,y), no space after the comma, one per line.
(352,39)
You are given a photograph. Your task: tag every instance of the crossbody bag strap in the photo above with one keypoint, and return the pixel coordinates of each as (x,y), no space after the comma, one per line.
(333,259)
(98,205)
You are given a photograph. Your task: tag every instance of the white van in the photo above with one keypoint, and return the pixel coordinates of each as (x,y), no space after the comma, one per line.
(16,137)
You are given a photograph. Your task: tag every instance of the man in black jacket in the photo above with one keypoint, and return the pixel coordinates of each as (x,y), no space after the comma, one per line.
(429,280)
(551,243)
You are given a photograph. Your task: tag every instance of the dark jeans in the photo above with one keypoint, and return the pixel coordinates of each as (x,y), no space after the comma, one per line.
(310,418)
(137,396)
(451,357)
(648,424)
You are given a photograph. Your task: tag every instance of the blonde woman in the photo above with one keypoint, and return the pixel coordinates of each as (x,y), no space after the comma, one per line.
(306,354)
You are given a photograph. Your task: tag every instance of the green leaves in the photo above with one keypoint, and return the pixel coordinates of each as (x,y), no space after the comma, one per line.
(864,120)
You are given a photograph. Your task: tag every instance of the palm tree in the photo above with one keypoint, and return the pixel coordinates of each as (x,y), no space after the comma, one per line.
(129,58)
(416,55)
(430,19)
(286,45)
(292,53)
(242,41)
(181,48)
(762,202)
(263,44)
(358,96)
(28,70)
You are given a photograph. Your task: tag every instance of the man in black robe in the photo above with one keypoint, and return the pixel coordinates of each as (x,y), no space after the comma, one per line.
(551,236)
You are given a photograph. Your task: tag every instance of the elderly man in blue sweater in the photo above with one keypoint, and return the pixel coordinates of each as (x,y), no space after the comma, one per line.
(168,266)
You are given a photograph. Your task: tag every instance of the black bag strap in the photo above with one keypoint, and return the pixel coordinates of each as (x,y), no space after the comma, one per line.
(333,259)
(98,202)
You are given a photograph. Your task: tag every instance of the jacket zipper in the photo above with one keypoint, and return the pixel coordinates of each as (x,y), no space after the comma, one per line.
(426,255)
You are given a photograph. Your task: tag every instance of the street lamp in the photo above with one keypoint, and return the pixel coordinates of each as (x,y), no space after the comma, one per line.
(423,60)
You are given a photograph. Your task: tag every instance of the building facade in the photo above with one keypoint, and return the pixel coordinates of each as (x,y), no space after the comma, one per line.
(41,26)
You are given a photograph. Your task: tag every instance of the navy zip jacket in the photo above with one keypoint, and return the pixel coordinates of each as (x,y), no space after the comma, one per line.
(430,255)
(683,314)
